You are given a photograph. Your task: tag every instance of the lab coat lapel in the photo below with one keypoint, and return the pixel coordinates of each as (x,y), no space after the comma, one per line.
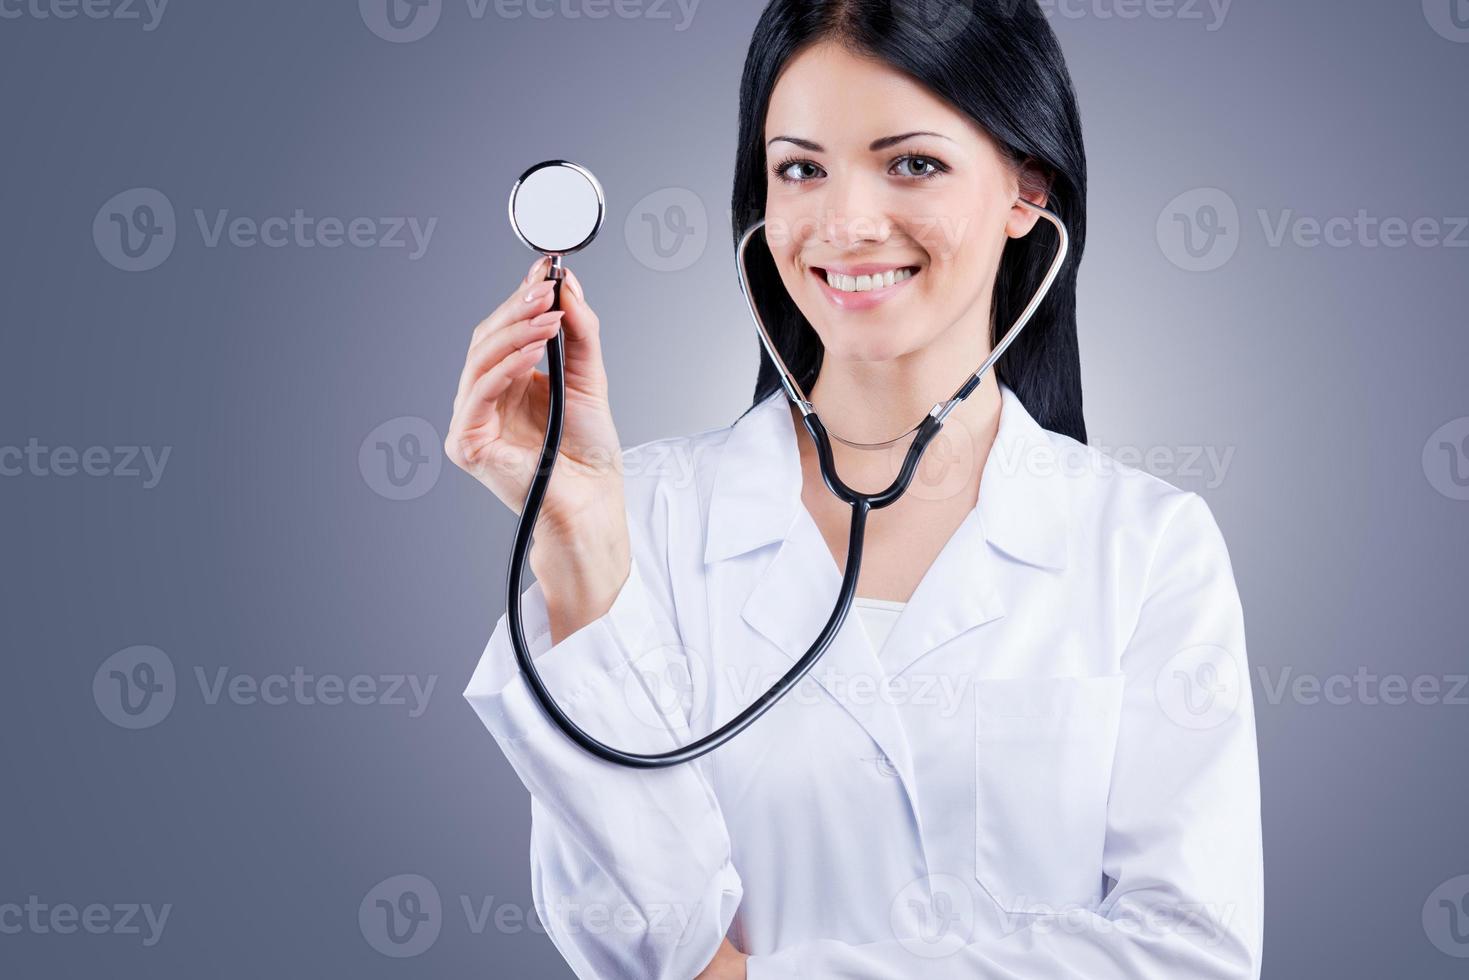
(958,593)
(790,604)
(757,501)
(1021,514)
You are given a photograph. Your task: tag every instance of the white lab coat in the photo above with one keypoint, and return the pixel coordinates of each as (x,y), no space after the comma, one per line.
(1059,778)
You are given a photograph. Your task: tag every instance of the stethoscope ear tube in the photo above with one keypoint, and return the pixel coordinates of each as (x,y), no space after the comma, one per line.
(861,504)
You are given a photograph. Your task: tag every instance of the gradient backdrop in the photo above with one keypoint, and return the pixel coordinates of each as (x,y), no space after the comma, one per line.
(223,476)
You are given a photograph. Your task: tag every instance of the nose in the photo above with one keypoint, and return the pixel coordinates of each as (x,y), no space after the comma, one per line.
(852,213)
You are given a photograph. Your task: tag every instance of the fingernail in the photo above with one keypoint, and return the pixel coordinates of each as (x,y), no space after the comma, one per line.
(534,268)
(575,285)
(538,290)
(547,317)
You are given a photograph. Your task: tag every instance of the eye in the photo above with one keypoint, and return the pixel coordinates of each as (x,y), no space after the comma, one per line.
(930,167)
(780,170)
(936,166)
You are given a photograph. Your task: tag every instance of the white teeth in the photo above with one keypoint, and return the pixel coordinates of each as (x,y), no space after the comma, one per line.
(862,284)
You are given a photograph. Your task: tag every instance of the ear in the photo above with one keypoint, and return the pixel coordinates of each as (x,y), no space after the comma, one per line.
(1033,183)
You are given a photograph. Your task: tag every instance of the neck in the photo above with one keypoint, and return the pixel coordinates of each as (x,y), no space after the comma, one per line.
(875,401)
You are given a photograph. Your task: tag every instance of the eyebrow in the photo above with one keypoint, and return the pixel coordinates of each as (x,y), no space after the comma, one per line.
(878,144)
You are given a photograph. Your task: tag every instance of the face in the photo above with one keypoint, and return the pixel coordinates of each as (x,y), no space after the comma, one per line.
(886,210)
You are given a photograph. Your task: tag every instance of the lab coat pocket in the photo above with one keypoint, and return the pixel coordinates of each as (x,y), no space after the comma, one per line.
(1043,763)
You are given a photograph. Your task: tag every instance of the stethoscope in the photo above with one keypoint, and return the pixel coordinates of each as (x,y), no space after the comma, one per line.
(556,208)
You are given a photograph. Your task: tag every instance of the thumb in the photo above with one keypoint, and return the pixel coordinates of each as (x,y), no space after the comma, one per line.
(581,332)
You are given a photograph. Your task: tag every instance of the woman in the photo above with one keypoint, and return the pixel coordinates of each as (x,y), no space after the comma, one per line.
(1045,765)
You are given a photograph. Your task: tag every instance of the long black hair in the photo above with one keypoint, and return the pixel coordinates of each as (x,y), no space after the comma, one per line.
(997,61)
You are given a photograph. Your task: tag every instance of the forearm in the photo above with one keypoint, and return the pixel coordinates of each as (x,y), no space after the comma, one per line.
(728,964)
(581,569)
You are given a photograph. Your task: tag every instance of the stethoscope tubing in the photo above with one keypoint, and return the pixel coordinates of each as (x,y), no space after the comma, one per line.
(862,504)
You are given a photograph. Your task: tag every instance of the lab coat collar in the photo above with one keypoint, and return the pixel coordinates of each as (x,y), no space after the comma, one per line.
(756,496)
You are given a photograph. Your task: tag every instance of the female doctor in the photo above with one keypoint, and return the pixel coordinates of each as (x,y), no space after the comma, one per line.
(1030,751)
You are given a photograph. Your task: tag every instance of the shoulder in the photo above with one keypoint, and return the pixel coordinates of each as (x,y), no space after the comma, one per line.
(672,469)
(1155,548)
(1120,506)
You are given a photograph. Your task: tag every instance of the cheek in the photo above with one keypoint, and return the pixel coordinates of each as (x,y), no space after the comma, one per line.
(951,234)
(785,236)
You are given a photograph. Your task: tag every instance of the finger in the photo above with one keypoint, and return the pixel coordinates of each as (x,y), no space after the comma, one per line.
(537,270)
(582,330)
(484,354)
(479,403)
(527,301)
(575,285)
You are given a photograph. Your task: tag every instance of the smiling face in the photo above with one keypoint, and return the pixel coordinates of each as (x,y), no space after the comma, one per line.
(886,210)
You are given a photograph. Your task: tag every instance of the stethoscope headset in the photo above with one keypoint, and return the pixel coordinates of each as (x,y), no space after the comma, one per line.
(556,208)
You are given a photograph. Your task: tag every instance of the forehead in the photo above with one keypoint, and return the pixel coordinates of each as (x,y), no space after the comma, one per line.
(835,96)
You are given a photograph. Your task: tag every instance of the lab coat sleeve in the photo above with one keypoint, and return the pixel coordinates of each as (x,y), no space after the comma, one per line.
(1183,837)
(631,869)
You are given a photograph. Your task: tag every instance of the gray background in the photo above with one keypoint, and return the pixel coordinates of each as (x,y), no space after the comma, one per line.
(272,541)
